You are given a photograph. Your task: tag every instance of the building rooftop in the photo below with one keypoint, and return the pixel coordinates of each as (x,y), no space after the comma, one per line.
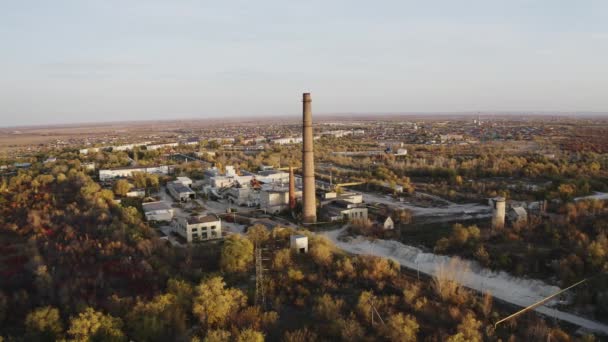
(180,188)
(153,206)
(271,172)
(202,219)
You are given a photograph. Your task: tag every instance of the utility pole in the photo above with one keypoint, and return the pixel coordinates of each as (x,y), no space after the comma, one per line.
(373,311)
(259,277)
(260,290)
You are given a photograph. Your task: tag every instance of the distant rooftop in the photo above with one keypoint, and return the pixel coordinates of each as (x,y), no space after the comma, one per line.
(153,206)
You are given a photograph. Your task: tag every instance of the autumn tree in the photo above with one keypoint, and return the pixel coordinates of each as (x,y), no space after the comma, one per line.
(43,324)
(217,336)
(121,187)
(321,252)
(328,308)
(214,304)
(237,254)
(250,335)
(281,259)
(468,330)
(160,319)
(258,234)
(401,328)
(91,325)
(300,335)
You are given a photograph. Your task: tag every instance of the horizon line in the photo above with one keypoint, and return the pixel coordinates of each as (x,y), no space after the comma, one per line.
(537,113)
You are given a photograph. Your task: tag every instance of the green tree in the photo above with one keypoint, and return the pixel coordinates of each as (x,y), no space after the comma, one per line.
(237,254)
(214,304)
(92,325)
(43,324)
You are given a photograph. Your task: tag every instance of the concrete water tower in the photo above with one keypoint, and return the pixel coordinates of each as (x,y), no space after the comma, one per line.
(499,209)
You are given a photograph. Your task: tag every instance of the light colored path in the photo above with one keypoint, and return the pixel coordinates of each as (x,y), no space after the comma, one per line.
(514,290)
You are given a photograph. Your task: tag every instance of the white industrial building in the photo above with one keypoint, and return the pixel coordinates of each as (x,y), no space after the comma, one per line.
(184,181)
(344,210)
(128,171)
(299,243)
(285,141)
(198,228)
(244,196)
(273,176)
(158,211)
(159,146)
(276,199)
(229,178)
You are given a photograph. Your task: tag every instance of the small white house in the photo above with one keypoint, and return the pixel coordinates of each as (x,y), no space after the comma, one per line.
(299,243)
(388,224)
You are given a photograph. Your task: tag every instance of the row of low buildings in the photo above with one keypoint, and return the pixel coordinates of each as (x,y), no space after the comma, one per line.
(128,171)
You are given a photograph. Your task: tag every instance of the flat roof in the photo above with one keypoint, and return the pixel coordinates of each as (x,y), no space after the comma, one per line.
(202,219)
(271,172)
(180,188)
(153,206)
(134,167)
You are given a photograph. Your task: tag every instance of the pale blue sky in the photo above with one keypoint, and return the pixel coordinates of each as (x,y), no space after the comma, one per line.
(82,60)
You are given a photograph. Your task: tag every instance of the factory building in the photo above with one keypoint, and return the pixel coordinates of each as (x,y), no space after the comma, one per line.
(276,199)
(341,210)
(198,228)
(180,192)
(244,196)
(157,211)
(273,176)
(124,172)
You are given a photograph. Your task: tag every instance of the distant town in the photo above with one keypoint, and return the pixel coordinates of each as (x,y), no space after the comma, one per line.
(504,215)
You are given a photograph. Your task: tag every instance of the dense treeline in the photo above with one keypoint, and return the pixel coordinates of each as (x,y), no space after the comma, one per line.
(569,246)
(76,266)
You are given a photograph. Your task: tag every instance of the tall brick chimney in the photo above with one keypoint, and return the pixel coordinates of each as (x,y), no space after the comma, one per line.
(309,201)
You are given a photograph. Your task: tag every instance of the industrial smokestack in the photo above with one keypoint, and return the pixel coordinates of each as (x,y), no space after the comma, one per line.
(292,189)
(309,201)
